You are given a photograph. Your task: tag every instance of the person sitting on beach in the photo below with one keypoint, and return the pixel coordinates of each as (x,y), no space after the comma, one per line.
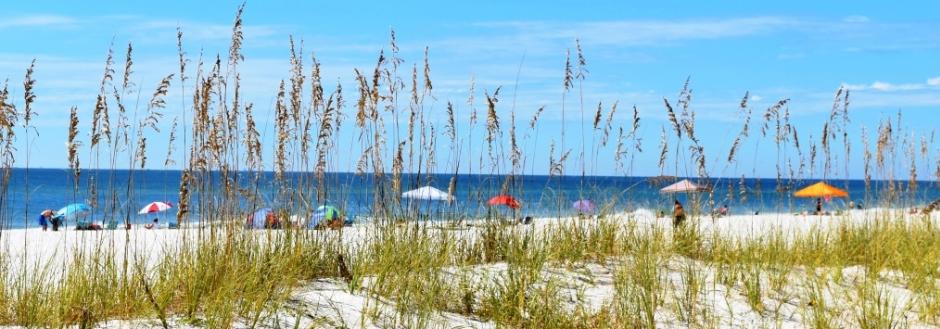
(152,225)
(271,221)
(818,207)
(723,211)
(525,220)
(44,218)
(336,223)
(679,214)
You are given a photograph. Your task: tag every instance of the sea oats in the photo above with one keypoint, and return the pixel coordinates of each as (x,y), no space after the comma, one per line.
(621,150)
(671,115)
(598,115)
(238,36)
(73,144)
(451,126)
(171,145)
(281,115)
(29,96)
(609,123)
(535,117)
(492,121)
(663,150)
(126,82)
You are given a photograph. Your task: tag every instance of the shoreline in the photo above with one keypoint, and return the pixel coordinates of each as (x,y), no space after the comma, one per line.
(37,244)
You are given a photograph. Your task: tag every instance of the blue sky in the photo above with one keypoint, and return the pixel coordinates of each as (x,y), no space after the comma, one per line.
(637,54)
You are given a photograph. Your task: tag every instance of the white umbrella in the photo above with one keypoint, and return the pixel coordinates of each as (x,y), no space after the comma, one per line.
(683,186)
(427,193)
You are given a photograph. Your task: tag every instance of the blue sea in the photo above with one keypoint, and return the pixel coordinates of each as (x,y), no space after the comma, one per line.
(31,191)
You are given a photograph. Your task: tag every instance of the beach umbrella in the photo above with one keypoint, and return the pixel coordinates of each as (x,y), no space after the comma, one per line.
(155,207)
(505,200)
(427,193)
(683,186)
(75,211)
(259,218)
(324,213)
(584,206)
(821,190)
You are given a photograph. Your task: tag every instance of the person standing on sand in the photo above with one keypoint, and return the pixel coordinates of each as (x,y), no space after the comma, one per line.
(819,206)
(679,214)
(44,218)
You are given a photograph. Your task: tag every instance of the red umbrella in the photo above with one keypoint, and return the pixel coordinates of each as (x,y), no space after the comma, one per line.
(155,207)
(505,200)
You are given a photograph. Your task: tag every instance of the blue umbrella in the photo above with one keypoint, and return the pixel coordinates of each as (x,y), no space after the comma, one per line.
(75,211)
(259,218)
(323,213)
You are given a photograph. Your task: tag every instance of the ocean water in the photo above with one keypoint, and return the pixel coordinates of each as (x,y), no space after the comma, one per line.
(31,191)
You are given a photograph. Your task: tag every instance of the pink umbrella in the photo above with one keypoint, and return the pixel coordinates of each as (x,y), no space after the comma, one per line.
(584,206)
(155,207)
(683,186)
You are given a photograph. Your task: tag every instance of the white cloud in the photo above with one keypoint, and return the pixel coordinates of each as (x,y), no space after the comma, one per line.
(856,19)
(795,55)
(644,32)
(200,31)
(890,87)
(37,20)
(884,86)
(935,81)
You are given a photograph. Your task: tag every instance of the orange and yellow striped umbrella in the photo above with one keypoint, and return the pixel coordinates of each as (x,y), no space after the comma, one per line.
(821,190)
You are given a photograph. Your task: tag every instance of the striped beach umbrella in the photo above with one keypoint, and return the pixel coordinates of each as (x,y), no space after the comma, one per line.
(155,207)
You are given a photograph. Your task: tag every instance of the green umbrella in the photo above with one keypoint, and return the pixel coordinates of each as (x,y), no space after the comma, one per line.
(324,213)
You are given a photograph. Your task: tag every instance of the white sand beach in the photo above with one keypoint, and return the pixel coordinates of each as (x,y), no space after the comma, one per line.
(329,302)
